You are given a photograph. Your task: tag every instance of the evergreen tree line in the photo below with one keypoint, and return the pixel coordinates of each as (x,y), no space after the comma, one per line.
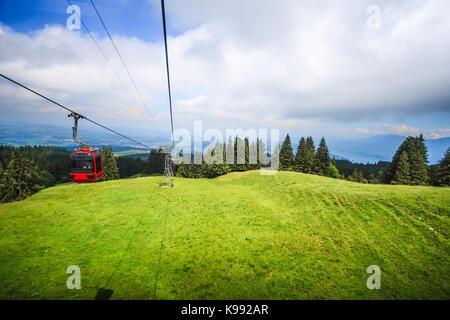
(307,158)
(408,167)
(440,174)
(51,164)
(19,179)
(25,170)
(360,172)
(129,166)
(155,162)
(214,162)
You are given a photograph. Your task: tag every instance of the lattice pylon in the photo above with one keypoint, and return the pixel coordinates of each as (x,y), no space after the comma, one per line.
(167,178)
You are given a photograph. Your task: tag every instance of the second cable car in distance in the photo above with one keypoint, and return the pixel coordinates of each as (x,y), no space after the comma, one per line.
(86,163)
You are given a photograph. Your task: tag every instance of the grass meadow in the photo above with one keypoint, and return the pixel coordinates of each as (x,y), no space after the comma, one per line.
(239,236)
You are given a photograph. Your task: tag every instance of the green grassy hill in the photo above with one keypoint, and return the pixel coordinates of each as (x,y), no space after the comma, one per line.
(246,236)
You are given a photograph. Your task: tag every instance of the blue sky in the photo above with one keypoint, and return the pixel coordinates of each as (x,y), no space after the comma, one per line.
(304,68)
(27,16)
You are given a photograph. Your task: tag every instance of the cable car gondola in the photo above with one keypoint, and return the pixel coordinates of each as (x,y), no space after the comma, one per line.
(85,162)
(86,165)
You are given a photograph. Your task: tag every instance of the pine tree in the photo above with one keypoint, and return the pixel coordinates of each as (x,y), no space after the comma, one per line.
(214,170)
(253,151)
(274,162)
(443,171)
(110,170)
(19,179)
(152,162)
(357,176)
(247,154)
(378,177)
(217,153)
(45,179)
(417,158)
(220,166)
(181,171)
(310,155)
(333,172)
(402,174)
(392,168)
(204,171)
(224,153)
(197,170)
(229,153)
(263,158)
(286,154)
(155,162)
(322,160)
(418,161)
(114,169)
(240,153)
(300,156)
(215,166)
(160,162)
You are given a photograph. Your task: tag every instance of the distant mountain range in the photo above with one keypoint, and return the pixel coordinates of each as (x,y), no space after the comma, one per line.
(362,150)
(19,134)
(376,148)
(381,147)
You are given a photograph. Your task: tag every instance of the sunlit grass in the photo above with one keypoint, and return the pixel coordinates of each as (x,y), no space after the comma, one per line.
(287,236)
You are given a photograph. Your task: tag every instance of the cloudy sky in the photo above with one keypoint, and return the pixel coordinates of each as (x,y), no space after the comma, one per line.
(334,68)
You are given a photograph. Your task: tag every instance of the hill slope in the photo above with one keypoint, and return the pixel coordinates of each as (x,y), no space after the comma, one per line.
(288,236)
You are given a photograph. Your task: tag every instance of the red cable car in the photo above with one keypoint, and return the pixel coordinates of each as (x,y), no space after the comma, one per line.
(86,163)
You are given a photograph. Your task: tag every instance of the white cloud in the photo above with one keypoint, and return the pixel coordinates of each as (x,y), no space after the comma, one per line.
(393,129)
(438,133)
(402,130)
(192,101)
(249,64)
(66,66)
(49,109)
(304,59)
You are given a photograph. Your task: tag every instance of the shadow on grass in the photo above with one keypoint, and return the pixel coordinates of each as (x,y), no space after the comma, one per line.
(103,294)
